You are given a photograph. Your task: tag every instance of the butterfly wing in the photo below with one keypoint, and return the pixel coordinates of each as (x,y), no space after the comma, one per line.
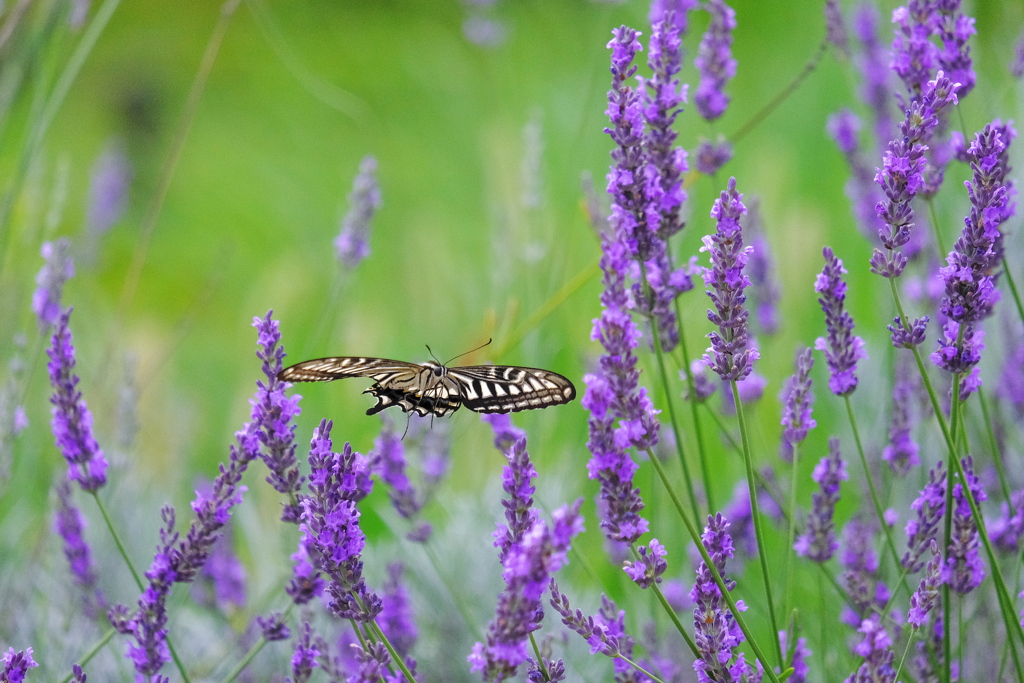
(509,388)
(380,370)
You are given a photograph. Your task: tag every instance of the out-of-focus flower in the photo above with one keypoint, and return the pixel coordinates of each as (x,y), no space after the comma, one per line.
(954,29)
(58,269)
(16,665)
(715,61)
(818,541)
(352,245)
(930,506)
(842,348)
(876,89)
(927,593)
(711,156)
(876,649)
(108,190)
(861,190)
(866,590)
(963,570)
(797,405)
(304,656)
(273,627)
(835,28)
(396,620)
(902,451)
(70,525)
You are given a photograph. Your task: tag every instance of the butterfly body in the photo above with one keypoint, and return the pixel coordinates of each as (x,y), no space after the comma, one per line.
(432,388)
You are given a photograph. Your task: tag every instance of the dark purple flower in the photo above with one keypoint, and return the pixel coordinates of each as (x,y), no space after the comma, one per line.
(703,386)
(876,89)
(592,629)
(902,174)
(352,245)
(373,663)
(930,507)
(818,541)
(835,28)
(1006,530)
(396,620)
(863,193)
(555,671)
(860,576)
(226,575)
(711,156)
(387,459)
(306,582)
(876,649)
(902,451)
(902,338)
(72,422)
(273,627)
(963,570)
(732,360)
(108,190)
(954,29)
(70,524)
(58,269)
(530,552)
(842,348)
(797,405)
(273,419)
(647,570)
(505,433)
(801,653)
(927,593)
(304,657)
(77,674)
(16,665)
(715,61)
(715,629)
(914,56)
(331,534)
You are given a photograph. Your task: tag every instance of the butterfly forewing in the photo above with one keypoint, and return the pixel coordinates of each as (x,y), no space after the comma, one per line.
(509,388)
(340,367)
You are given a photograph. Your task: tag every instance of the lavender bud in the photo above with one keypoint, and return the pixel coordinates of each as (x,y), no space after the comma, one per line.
(352,245)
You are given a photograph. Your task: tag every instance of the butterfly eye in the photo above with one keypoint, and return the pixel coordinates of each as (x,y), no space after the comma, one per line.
(437,370)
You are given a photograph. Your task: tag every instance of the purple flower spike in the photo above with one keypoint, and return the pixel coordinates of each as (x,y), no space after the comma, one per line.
(304,657)
(330,528)
(818,541)
(647,571)
(388,460)
(732,359)
(863,193)
(914,56)
(963,570)
(902,338)
(505,433)
(352,245)
(876,89)
(860,574)
(930,507)
(715,61)
(715,629)
(801,653)
(842,348)
(927,594)
(273,418)
(797,404)
(72,422)
(712,156)
(835,28)
(678,8)
(58,269)
(592,629)
(108,190)
(396,618)
(954,30)
(761,270)
(902,451)
(77,674)
(876,649)
(225,573)
(1007,529)
(70,524)
(703,386)
(16,665)
(1017,65)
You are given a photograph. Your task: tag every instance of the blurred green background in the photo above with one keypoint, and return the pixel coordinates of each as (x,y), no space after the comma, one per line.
(297,94)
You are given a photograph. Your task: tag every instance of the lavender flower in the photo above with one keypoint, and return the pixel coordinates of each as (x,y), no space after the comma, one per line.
(866,590)
(72,422)
(555,671)
(864,195)
(108,190)
(902,451)
(351,245)
(592,629)
(715,61)
(16,665)
(661,9)
(715,629)
(58,269)
(505,433)
(818,541)
(1006,530)
(388,460)
(876,649)
(902,174)
(751,389)
(761,269)
(1011,380)
(77,674)
(304,658)
(530,551)
(954,30)
(703,386)
(797,401)
(273,627)
(306,582)
(712,156)
(225,574)
(647,570)
(835,29)
(842,348)
(1017,65)
(70,524)
(732,360)
(396,620)
(330,528)
(273,419)
(914,56)
(614,620)
(876,89)
(930,507)
(963,570)
(927,593)
(801,653)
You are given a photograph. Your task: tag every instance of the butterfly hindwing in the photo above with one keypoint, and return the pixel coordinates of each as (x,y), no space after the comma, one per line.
(509,388)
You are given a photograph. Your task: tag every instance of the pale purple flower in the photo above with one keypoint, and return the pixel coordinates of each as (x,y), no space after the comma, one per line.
(954,29)
(647,570)
(797,405)
(72,421)
(58,269)
(842,348)
(763,279)
(395,619)
(387,460)
(16,665)
(876,89)
(835,28)
(751,389)
(273,419)
(484,31)
(801,653)
(876,649)
(914,56)
(1006,530)
(818,541)
(923,528)
(352,245)
(225,574)
(108,190)
(273,627)
(1011,379)
(741,519)
(505,433)
(70,524)
(592,629)
(861,190)
(715,61)
(863,585)
(927,594)
(732,358)
(703,385)
(902,451)
(711,156)
(304,656)
(1017,65)
(306,582)
(676,595)
(679,10)
(963,570)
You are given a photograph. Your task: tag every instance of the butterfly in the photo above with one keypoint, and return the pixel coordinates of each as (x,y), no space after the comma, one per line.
(432,388)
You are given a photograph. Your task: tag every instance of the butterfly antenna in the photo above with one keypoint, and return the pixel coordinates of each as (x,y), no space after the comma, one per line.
(408,421)
(432,354)
(486,343)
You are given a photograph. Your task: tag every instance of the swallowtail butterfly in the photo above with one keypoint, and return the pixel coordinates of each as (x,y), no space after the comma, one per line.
(433,388)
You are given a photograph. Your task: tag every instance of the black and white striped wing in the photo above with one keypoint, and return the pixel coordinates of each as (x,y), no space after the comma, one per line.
(380,370)
(508,388)
(435,396)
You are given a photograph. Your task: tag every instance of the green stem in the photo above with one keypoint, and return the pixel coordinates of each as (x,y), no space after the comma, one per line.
(769,670)
(756,518)
(790,560)
(871,488)
(997,458)
(394,653)
(639,668)
(705,469)
(671,613)
(1008,276)
(948,525)
(253,651)
(903,659)
(93,651)
(935,225)
(540,659)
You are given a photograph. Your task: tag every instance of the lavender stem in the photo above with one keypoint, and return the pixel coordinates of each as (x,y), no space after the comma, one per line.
(254,650)
(92,652)
(697,431)
(395,657)
(791,536)
(671,612)
(997,459)
(756,519)
(726,594)
(1013,289)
